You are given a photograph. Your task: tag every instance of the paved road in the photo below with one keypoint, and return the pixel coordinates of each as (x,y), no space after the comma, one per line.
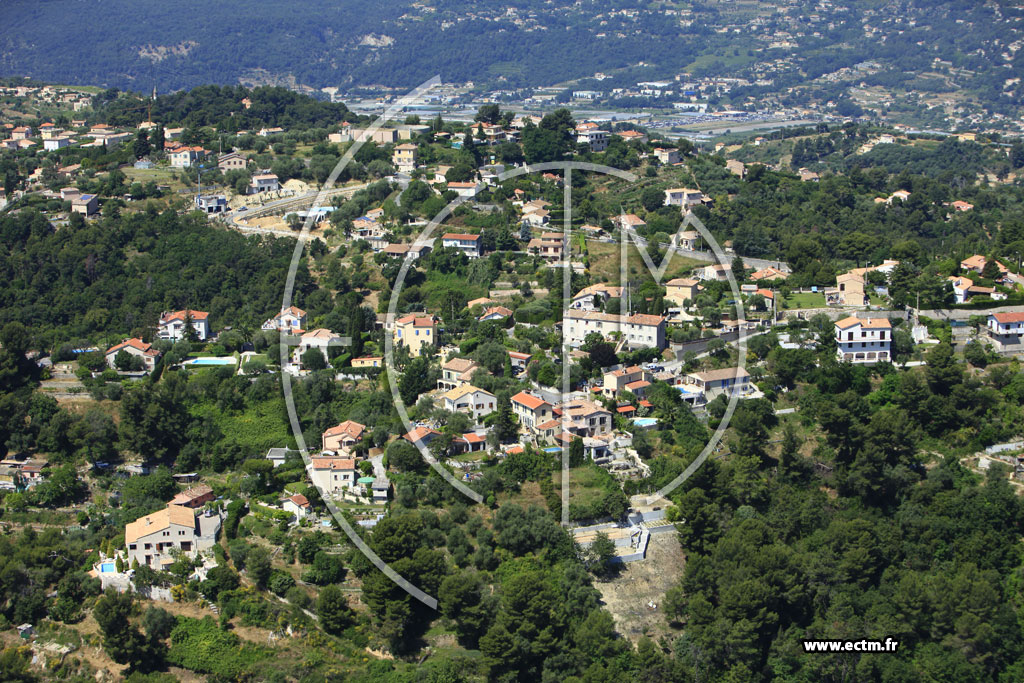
(964,314)
(378,467)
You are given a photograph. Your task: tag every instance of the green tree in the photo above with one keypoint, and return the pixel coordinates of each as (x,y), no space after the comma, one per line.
(415,380)
(976,354)
(652,198)
(257,566)
(405,457)
(122,641)
(141,146)
(333,609)
(603,551)
(576,453)
(313,359)
(488,113)
(505,427)
(991,269)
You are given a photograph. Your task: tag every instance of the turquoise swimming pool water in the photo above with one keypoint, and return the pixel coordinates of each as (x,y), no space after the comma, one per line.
(211,361)
(107,567)
(645,421)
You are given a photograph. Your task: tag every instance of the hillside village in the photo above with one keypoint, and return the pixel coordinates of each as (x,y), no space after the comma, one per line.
(503,379)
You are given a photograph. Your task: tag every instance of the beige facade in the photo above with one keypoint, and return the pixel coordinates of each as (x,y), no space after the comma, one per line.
(531,410)
(404,157)
(616,380)
(680,290)
(342,437)
(416,332)
(153,539)
(332,476)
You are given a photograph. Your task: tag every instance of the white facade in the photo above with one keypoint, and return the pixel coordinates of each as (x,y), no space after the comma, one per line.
(470,400)
(185,156)
(134,347)
(728,381)
(467,244)
(864,341)
(291,319)
(1006,324)
(597,139)
(638,331)
(320,339)
(683,196)
(267,182)
(212,203)
(333,475)
(53,144)
(172,325)
(667,156)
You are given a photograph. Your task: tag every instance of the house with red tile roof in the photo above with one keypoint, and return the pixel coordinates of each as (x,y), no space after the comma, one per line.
(135,347)
(172,324)
(471,442)
(417,331)
(495,313)
(291,319)
(333,475)
(1009,326)
(470,245)
(195,497)
(863,340)
(342,437)
(531,410)
(297,505)
(421,436)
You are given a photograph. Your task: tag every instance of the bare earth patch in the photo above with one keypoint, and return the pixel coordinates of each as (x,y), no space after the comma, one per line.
(638,583)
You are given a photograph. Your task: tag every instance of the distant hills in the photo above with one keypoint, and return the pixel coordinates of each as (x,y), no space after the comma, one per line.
(954,55)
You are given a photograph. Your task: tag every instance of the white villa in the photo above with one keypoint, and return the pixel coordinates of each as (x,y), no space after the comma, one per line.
(864,341)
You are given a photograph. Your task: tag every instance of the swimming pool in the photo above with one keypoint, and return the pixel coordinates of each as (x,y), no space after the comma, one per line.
(645,421)
(107,568)
(210,361)
(553,449)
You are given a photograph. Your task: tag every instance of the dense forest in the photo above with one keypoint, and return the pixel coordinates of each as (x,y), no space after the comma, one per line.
(223,108)
(115,276)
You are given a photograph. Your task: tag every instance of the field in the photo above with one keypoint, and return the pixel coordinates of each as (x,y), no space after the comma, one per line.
(801,300)
(604,262)
(258,428)
(584,485)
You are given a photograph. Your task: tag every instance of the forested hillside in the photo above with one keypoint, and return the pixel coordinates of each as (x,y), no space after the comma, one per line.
(114,277)
(526,44)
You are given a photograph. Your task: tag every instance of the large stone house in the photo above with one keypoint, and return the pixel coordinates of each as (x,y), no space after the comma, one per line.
(152,539)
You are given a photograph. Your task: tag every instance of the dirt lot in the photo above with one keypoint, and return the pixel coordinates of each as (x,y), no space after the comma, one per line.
(627,595)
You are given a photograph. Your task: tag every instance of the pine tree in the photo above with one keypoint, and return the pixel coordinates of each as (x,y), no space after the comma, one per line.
(141,147)
(505,427)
